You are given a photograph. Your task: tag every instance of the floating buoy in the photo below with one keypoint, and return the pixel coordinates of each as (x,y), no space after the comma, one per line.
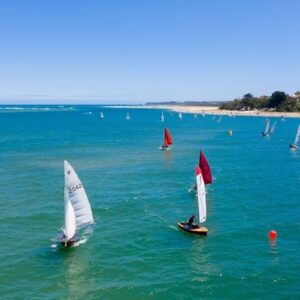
(273,234)
(230,132)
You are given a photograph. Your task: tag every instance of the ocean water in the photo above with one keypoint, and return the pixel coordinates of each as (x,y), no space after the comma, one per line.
(138,194)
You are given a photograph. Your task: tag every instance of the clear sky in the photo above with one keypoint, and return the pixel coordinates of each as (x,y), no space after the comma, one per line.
(134,51)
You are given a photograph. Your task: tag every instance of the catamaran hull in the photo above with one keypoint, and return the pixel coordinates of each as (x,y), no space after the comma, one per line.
(194,229)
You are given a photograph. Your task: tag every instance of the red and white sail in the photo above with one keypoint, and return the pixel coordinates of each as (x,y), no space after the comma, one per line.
(205,169)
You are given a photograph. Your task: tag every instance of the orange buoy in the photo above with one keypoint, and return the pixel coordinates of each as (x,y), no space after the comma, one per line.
(273,234)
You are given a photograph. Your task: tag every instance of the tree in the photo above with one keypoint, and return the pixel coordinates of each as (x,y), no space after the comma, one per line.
(276,99)
(248,96)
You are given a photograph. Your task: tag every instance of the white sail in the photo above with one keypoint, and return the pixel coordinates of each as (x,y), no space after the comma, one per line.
(127,116)
(101,115)
(267,126)
(273,127)
(180,116)
(201,196)
(74,190)
(162,118)
(297,136)
(70,226)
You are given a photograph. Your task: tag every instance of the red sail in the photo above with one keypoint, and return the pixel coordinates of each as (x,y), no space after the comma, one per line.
(205,168)
(168,138)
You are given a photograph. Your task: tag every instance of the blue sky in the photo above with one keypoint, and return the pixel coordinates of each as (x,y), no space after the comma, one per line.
(128,51)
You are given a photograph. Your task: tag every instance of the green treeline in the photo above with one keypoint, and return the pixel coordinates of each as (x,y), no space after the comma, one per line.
(278,101)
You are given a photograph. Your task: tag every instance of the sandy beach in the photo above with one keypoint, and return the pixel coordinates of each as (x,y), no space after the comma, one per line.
(213,110)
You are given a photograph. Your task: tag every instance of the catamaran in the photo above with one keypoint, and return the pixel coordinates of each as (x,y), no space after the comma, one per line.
(295,146)
(266,131)
(78,213)
(167,140)
(190,226)
(101,115)
(162,117)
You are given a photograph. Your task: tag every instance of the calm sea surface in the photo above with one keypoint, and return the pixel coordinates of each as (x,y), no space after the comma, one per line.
(138,194)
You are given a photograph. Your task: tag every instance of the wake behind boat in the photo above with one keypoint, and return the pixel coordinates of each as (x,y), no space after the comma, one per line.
(167,140)
(78,213)
(190,226)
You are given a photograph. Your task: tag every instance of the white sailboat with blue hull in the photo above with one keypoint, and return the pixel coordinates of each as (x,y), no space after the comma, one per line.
(78,213)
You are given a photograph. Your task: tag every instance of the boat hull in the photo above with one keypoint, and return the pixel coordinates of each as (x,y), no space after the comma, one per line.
(194,229)
(69,243)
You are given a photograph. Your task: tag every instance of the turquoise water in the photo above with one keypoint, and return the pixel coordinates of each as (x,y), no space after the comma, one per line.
(138,194)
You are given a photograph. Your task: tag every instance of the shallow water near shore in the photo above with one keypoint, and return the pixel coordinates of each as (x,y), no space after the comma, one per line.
(138,194)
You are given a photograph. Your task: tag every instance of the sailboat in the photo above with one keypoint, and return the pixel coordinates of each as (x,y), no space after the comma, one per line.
(295,146)
(167,140)
(180,116)
(190,226)
(162,117)
(101,115)
(78,213)
(266,131)
(127,116)
(206,171)
(220,118)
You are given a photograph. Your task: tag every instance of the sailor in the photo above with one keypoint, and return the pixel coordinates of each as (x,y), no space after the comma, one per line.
(191,221)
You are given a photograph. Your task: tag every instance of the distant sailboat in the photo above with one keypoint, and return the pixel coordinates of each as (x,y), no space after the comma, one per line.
(101,115)
(190,226)
(78,213)
(295,146)
(127,116)
(180,116)
(167,140)
(220,118)
(266,131)
(162,117)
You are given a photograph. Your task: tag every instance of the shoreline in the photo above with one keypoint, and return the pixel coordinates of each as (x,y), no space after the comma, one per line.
(212,110)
